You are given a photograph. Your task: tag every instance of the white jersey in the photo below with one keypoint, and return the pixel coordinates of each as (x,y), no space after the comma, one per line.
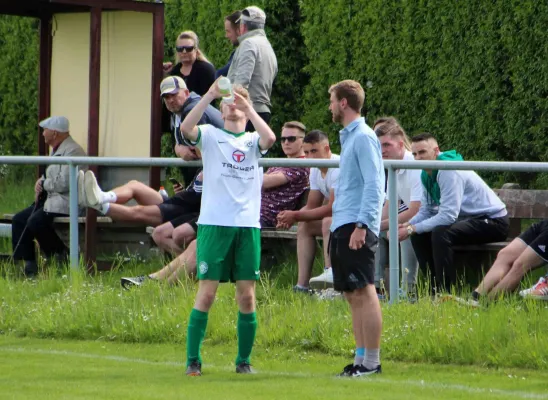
(328,182)
(231,194)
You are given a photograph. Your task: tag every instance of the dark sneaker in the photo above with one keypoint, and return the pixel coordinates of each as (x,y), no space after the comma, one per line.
(244,368)
(300,289)
(347,371)
(360,370)
(128,282)
(194,369)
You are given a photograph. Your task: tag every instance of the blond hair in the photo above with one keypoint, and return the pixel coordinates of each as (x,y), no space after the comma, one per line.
(389,126)
(192,36)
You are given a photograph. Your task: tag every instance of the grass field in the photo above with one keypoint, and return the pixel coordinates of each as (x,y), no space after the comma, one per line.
(49,369)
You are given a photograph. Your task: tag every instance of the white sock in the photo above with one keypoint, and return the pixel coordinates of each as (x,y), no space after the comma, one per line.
(108,197)
(372,358)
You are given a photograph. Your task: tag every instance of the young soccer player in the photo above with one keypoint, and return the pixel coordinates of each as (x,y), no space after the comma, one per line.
(229,246)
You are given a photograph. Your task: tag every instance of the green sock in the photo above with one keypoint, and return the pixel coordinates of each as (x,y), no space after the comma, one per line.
(196,331)
(247,328)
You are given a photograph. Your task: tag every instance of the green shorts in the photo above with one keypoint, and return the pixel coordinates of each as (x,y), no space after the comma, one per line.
(228,253)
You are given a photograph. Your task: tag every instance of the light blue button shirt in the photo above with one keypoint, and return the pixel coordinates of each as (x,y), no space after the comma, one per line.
(359,193)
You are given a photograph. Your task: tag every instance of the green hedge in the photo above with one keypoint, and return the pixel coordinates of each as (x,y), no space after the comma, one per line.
(473,73)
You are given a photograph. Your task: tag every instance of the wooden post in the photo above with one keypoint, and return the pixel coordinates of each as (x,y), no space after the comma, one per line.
(93,124)
(156,104)
(44,82)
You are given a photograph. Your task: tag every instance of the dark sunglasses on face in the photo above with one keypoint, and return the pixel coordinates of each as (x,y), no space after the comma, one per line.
(290,139)
(184,49)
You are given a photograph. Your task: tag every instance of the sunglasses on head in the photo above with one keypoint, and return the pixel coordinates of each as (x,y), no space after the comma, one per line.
(290,139)
(184,49)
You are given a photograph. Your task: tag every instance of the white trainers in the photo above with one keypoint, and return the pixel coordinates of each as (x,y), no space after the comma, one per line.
(92,189)
(538,291)
(82,201)
(325,280)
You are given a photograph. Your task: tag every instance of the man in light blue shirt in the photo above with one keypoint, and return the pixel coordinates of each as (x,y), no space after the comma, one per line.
(356,223)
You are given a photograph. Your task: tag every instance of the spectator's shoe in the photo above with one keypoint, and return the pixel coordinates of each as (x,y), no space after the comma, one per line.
(347,370)
(244,368)
(323,281)
(194,369)
(538,291)
(31,269)
(328,294)
(82,201)
(360,370)
(92,189)
(300,289)
(129,282)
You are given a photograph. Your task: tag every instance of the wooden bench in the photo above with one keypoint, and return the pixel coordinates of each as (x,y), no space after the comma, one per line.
(113,238)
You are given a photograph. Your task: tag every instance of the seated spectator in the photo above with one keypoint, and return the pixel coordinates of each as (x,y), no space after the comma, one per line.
(254,64)
(51,200)
(282,187)
(174,218)
(457,208)
(396,145)
(191,64)
(315,217)
(232,31)
(179,101)
(523,254)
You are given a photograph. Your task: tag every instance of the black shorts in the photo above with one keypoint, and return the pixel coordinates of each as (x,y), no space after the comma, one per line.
(352,269)
(182,204)
(536,237)
(190,218)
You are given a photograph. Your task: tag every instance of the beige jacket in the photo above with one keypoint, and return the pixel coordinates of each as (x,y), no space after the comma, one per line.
(56,182)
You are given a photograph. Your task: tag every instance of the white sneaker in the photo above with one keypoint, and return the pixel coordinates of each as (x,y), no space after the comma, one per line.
(82,201)
(92,189)
(325,280)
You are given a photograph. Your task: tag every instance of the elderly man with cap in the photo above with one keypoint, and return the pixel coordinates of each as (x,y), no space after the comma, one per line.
(52,200)
(254,65)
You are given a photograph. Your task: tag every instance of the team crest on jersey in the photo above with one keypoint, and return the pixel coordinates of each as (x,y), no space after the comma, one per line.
(238,156)
(203,267)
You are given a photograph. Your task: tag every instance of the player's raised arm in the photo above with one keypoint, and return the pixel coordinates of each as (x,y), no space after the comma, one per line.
(267,138)
(189,126)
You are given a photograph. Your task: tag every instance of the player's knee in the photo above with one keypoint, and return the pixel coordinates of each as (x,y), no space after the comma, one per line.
(205,300)
(246,299)
(302,228)
(158,236)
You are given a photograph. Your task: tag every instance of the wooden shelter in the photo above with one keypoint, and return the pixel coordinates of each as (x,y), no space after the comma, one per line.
(113,106)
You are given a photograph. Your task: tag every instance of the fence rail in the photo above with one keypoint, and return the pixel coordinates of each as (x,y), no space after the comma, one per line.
(390,165)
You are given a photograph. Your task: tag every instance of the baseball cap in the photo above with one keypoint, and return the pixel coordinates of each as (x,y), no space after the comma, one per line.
(252,14)
(171,85)
(59,124)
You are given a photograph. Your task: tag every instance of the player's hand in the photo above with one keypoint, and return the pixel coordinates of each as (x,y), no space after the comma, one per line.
(357,240)
(285,219)
(240,103)
(187,153)
(214,91)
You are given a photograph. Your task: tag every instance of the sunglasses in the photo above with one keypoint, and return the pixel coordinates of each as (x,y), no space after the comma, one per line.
(290,139)
(184,49)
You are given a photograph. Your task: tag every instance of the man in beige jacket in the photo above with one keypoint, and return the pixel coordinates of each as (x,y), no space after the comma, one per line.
(51,200)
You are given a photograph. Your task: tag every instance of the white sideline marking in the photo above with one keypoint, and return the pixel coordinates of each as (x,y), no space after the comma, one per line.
(377,379)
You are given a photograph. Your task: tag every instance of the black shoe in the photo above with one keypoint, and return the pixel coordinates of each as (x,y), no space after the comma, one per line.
(304,290)
(360,370)
(244,368)
(347,371)
(31,269)
(194,369)
(128,282)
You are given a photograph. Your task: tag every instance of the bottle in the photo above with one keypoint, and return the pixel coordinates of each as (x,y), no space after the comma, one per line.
(225,87)
(163,193)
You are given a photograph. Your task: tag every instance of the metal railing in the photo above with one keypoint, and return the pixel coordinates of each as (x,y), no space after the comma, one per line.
(391,165)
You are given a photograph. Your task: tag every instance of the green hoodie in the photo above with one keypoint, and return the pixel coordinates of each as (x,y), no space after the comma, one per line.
(430,182)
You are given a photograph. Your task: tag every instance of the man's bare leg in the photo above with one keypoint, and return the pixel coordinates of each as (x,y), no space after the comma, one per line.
(149,215)
(183,235)
(527,261)
(306,249)
(163,237)
(141,193)
(183,264)
(326,232)
(502,265)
